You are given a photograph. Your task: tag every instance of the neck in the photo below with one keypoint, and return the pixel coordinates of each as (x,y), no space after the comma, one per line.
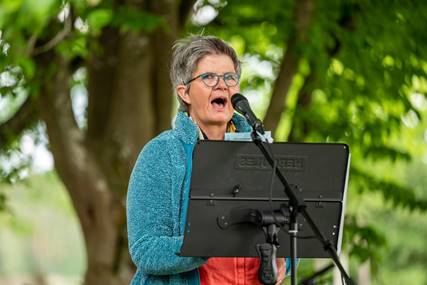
(213,132)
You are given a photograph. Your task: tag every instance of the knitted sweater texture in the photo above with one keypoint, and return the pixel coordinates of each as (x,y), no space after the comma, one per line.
(157,201)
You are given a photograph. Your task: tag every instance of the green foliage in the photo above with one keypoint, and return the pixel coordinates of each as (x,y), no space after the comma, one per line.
(125,17)
(359,68)
(13,78)
(30,16)
(131,19)
(363,241)
(17,164)
(403,257)
(28,25)
(405,260)
(394,192)
(74,46)
(98,19)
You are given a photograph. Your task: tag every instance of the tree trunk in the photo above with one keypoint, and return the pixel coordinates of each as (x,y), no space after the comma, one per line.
(92,197)
(303,12)
(129,102)
(300,127)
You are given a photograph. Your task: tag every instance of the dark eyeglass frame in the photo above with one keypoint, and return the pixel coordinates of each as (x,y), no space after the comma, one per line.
(217,78)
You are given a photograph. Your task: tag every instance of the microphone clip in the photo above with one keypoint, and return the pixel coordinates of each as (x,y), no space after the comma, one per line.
(258,132)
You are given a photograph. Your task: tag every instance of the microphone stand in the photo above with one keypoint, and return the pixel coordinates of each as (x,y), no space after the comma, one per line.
(297,206)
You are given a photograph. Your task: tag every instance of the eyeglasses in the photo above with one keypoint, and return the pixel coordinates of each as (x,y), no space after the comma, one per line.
(211,79)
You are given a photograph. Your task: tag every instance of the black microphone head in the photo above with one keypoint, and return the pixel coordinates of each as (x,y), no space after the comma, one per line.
(237,99)
(241,105)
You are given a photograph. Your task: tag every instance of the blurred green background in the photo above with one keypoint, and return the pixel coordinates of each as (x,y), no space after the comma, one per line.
(84,85)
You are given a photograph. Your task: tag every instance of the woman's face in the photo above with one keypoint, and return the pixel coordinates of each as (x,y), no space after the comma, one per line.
(210,106)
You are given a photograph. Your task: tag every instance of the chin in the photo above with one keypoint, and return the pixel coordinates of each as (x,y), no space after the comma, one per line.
(221,118)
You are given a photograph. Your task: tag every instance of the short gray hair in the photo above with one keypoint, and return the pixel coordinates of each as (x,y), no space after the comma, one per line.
(189,51)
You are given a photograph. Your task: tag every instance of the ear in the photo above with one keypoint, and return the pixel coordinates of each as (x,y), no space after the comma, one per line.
(182,92)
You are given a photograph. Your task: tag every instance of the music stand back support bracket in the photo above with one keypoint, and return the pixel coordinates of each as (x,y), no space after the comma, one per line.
(267,272)
(271,223)
(297,206)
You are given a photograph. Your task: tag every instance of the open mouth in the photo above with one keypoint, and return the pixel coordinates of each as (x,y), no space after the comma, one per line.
(219,103)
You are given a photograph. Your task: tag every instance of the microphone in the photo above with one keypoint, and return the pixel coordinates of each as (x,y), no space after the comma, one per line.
(241,105)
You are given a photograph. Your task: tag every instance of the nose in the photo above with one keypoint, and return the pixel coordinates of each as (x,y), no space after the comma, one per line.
(221,84)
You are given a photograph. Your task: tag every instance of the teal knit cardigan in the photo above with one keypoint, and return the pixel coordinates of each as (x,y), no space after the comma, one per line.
(157,201)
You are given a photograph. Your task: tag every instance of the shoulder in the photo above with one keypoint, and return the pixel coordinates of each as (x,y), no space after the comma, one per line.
(159,141)
(162,147)
(153,161)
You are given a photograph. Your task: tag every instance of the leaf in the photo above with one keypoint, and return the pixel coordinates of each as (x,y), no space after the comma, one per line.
(383,152)
(9,6)
(74,47)
(99,18)
(398,194)
(364,242)
(131,19)
(35,14)
(28,67)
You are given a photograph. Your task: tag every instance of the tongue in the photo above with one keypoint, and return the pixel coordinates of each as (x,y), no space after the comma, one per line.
(217,106)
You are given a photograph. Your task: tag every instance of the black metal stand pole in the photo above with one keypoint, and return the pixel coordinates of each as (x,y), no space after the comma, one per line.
(293,232)
(298,206)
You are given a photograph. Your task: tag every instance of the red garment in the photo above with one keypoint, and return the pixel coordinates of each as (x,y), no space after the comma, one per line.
(235,271)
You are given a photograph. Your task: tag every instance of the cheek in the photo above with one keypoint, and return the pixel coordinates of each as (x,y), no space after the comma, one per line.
(198,97)
(202,104)
(234,90)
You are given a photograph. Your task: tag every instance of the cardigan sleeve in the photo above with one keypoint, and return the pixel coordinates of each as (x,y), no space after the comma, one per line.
(152,245)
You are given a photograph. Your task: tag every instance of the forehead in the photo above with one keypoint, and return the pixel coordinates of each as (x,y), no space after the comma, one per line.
(218,63)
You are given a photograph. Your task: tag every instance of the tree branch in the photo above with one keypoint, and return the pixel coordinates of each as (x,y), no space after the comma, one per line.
(23,119)
(96,204)
(101,68)
(185,9)
(299,132)
(161,45)
(303,11)
(59,37)
(75,165)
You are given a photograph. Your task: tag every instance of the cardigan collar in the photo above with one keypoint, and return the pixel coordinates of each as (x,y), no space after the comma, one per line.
(188,132)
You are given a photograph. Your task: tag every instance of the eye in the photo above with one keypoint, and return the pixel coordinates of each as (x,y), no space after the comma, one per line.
(231,77)
(208,76)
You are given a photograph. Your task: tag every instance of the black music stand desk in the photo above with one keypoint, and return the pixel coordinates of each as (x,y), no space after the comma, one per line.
(230,179)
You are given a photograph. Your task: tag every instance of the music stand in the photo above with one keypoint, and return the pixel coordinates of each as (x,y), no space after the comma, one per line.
(230,192)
